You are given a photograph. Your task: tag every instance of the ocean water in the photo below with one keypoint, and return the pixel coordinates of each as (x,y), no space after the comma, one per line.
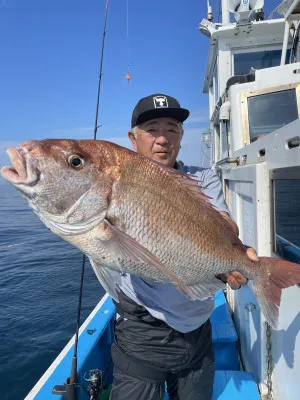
(40,278)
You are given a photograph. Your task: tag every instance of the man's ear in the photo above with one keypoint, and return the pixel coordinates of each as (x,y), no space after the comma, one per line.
(132,138)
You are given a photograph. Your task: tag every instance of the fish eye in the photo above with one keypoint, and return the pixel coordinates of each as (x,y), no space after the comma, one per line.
(75,161)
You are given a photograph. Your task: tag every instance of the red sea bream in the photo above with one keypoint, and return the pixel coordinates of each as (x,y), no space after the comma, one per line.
(129,213)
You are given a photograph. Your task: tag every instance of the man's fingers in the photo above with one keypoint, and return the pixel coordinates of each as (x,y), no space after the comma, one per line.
(240,278)
(230,279)
(223,277)
(234,279)
(232,282)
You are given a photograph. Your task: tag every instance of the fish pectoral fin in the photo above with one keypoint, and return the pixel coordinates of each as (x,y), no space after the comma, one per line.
(123,247)
(203,290)
(104,278)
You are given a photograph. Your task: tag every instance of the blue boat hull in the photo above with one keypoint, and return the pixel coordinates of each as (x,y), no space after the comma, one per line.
(96,337)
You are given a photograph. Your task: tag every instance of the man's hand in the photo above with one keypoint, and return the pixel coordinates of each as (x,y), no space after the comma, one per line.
(235,279)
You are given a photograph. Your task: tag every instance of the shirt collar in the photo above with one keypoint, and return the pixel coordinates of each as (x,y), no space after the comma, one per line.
(178,166)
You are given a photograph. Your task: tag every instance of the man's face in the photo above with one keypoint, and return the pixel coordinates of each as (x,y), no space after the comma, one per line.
(158,139)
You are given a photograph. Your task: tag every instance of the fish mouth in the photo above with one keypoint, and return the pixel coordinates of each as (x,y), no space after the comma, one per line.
(23,170)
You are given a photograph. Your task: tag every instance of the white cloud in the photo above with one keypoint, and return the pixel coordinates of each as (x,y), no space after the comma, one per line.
(192,151)
(120,140)
(119,135)
(81,132)
(198,117)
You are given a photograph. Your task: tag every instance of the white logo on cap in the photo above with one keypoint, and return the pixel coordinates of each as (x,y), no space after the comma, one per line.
(160,102)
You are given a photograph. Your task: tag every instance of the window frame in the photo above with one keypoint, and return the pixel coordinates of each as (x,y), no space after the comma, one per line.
(290,173)
(244,50)
(252,93)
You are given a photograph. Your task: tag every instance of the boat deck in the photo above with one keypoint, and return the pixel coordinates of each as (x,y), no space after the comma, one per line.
(94,352)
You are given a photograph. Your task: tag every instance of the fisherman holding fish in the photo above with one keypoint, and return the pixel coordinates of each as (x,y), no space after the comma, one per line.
(161,335)
(160,241)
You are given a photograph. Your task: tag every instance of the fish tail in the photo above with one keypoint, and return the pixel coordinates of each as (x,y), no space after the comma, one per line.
(275,275)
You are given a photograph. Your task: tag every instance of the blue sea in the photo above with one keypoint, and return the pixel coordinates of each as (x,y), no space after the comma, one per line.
(40,278)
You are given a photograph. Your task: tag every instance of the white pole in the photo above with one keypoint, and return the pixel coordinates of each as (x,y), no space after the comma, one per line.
(285,42)
(225,12)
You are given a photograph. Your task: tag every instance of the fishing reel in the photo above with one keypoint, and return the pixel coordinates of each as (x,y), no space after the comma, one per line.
(94,389)
(94,380)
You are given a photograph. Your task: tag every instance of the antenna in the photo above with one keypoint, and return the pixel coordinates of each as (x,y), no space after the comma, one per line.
(242,9)
(209,12)
(206,26)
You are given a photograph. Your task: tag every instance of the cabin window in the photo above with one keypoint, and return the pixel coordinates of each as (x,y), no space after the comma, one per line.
(243,62)
(271,111)
(286,192)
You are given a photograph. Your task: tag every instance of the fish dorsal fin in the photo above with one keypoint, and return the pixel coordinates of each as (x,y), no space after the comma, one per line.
(193,188)
(189,181)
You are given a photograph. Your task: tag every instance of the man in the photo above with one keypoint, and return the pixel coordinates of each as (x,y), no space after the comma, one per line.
(161,335)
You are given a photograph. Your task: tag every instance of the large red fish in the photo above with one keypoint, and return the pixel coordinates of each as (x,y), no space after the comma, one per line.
(128,213)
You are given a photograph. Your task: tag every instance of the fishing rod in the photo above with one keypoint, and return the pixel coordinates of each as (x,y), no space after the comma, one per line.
(100,73)
(95,384)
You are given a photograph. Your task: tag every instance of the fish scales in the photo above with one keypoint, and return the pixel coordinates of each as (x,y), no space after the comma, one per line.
(128,213)
(174,226)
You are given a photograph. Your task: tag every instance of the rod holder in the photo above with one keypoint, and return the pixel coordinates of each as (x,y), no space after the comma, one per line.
(68,390)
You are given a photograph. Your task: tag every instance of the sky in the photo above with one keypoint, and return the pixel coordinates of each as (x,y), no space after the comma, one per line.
(50,56)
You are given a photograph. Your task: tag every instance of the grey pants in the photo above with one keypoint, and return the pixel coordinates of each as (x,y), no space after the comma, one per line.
(187,385)
(147,357)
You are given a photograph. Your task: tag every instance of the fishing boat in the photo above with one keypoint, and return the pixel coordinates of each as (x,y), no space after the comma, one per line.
(253,82)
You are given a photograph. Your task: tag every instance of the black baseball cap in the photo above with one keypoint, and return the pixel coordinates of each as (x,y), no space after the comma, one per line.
(155,106)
